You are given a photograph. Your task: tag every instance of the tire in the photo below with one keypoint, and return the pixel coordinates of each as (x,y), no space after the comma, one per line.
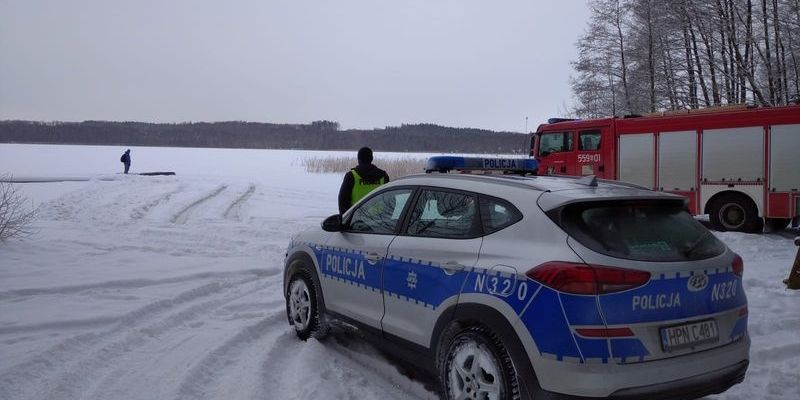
(777,224)
(302,307)
(476,365)
(735,212)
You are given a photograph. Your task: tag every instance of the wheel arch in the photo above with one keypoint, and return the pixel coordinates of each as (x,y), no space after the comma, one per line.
(300,260)
(469,314)
(748,194)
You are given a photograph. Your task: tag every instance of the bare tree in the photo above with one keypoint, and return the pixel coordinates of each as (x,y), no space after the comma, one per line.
(644,55)
(15,216)
(602,67)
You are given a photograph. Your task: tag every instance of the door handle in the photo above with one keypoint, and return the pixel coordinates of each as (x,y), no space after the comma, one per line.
(451,267)
(373,258)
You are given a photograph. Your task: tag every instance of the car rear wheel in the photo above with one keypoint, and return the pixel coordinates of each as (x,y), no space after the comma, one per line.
(476,365)
(735,212)
(302,307)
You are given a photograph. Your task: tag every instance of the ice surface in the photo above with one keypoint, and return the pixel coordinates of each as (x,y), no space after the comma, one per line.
(170,287)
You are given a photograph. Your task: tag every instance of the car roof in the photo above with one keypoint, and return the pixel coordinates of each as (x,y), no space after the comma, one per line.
(551,191)
(547,183)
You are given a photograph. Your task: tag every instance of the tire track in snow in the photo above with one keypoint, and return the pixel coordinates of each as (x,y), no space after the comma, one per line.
(58,325)
(49,362)
(341,369)
(773,355)
(201,376)
(182,216)
(166,338)
(233,210)
(94,363)
(63,371)
(139,212)
(131,283)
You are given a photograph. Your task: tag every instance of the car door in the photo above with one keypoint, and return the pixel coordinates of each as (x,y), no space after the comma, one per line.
(352,259)
(557,153)
(428,262)
(590,157)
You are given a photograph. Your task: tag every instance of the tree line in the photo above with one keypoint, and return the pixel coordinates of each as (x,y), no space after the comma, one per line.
(640,56)
(318,135)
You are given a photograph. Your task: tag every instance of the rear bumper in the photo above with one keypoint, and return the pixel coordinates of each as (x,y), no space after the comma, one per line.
(690,376)
(689,388)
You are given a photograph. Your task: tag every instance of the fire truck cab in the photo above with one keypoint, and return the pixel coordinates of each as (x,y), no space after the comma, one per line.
(739,165)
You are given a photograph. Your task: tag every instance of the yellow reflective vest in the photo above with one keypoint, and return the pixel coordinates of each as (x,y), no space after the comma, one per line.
(362,188)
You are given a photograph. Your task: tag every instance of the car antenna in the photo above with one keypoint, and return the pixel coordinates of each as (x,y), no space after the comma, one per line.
(588,180)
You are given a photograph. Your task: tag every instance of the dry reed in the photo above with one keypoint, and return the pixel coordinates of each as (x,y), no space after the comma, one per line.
(395,167)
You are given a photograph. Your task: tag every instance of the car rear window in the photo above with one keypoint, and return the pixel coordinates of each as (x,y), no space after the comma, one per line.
(655,230)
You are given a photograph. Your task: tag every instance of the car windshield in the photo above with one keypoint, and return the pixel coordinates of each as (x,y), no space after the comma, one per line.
(640,230)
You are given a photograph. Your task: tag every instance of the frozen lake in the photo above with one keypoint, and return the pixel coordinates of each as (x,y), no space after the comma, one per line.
(170,287)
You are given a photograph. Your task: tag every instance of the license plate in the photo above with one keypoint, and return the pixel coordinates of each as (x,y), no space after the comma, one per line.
(689,335)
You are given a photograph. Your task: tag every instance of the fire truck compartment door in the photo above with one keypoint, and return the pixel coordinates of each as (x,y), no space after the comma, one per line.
(636,161)
(733,155)
(677,161)
(784,166)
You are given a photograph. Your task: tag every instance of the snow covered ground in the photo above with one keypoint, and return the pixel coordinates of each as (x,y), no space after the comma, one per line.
(170,288)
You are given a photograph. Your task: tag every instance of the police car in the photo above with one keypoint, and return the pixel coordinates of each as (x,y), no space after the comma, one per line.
(512,287)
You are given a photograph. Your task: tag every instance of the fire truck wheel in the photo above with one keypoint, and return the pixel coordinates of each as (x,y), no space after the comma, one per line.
(735,212)
(777,224)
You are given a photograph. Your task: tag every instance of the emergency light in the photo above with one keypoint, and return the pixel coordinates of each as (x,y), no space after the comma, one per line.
(510,165)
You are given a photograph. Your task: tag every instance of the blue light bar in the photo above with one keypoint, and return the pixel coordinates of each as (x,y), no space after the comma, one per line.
(448,163)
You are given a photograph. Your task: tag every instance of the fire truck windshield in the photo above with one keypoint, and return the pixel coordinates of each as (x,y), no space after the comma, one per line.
(555,142)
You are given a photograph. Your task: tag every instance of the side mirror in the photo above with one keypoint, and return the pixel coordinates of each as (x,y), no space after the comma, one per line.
(332,223)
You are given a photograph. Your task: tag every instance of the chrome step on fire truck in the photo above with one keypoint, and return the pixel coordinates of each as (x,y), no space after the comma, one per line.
(740,165)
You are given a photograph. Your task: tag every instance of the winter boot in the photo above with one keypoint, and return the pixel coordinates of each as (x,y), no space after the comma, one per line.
(793,282)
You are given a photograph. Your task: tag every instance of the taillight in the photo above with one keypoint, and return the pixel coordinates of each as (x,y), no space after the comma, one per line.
(579,278)
(738,265)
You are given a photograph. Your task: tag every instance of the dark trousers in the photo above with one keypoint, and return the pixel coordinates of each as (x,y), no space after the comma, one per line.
(127,167)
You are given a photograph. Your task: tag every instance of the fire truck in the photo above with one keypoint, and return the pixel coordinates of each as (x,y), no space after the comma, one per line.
(740,165)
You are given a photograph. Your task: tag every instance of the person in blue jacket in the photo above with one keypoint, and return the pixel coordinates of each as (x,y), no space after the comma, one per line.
(126,160)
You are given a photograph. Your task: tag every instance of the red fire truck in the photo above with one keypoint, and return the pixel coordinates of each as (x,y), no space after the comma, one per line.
(739,165)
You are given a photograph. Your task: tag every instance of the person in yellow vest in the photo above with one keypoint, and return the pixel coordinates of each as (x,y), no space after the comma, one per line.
(361,180)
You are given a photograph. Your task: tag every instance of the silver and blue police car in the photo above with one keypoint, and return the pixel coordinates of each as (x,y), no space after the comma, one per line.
(512,287)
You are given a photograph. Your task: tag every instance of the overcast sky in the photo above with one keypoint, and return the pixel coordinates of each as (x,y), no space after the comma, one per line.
(364,63)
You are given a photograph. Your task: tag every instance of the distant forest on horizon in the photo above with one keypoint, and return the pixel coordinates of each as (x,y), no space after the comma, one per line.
(318,135)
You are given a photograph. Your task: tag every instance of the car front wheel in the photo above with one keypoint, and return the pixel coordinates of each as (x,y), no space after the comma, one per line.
(302,307)
(476,365)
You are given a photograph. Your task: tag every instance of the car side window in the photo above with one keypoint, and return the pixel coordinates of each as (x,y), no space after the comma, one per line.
(381,213)
(497,214)
(444,214)
(555,143)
